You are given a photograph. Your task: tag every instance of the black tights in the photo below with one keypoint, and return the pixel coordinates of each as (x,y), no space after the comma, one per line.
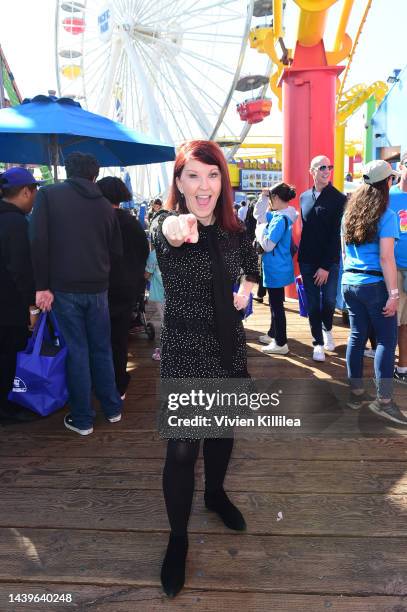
(179,475)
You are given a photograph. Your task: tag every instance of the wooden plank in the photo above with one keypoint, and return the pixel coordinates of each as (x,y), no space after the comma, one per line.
(280,564)
(19,441)
(87,514)
(254,475)
(151,599)
(266,513)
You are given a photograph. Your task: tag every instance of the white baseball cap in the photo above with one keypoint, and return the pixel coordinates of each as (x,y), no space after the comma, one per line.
(378,170)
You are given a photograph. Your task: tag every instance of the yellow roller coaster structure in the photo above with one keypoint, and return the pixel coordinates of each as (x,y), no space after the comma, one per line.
(350,101)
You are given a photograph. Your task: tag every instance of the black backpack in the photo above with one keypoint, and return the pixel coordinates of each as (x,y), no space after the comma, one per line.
(250,222)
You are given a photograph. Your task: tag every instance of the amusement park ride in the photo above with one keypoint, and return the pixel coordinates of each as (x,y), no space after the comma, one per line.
(168,68)
(176,69)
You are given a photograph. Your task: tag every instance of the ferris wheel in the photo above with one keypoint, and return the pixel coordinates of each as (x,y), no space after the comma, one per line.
(168,68)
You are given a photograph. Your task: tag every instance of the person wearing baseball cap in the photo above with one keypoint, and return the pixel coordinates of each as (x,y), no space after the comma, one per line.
(18,177)
(377,171)
(398,203)
(17,290)
(369,285)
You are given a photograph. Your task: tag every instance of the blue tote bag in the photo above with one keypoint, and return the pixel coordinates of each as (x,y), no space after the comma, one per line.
(39,382)
(302,297)
(244,314)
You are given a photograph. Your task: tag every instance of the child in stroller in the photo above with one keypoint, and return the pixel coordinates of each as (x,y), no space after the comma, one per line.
(156,293)
(139,322)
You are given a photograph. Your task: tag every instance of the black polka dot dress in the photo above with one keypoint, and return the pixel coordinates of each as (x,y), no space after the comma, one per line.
(190,346)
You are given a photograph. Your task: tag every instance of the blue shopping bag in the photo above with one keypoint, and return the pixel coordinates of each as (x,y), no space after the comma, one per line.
(249,308)
(40,382)
(302,297)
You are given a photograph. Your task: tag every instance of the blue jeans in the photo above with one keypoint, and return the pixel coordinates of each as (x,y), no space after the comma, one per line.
(321,300)
(85,324)
(365,304)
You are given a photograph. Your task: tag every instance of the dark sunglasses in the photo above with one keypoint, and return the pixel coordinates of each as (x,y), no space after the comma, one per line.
(323,168)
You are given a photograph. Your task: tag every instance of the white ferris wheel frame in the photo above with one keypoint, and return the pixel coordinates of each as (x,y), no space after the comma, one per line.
(122,43)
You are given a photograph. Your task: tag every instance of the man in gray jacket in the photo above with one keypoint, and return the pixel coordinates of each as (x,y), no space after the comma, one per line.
(73,232)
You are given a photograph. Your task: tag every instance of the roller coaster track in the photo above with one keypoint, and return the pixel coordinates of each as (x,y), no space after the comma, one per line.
(352,53)
(353,98)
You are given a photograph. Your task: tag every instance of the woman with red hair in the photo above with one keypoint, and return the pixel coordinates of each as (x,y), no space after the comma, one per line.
(202,251)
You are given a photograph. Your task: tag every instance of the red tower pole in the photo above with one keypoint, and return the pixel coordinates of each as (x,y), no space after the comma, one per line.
(309,91)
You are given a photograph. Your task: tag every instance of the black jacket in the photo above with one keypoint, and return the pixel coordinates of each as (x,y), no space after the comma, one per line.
(250,222)
(321,227)
(74,232)
(16,275)
(127,272)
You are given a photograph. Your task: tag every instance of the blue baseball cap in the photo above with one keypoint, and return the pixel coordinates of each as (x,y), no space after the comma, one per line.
(18,177)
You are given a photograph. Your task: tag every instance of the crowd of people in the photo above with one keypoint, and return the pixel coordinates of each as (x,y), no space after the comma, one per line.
(87,260)
(368,235)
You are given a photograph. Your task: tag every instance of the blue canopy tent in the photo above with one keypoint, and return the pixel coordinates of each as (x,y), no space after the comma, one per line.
(45,129)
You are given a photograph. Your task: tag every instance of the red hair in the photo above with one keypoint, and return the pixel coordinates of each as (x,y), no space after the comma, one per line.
(207,152)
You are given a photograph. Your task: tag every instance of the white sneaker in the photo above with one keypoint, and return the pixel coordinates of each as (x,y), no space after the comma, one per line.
(266,339)
(275,349)
(329,344)
(69,425)
(318,354)
(369,353)
(115,419)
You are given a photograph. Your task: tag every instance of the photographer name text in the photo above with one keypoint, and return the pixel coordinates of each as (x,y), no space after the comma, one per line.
(224,421)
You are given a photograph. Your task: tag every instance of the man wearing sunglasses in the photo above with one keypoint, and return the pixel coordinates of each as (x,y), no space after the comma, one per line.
(398,203)
(319,251)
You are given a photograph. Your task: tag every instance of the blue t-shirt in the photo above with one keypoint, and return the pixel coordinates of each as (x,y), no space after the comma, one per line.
(278,268)
(156,293)
(398,203)
(367,256)
(142,215)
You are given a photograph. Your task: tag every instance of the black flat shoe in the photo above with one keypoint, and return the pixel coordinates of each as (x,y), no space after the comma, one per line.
(220,503)
(173,567)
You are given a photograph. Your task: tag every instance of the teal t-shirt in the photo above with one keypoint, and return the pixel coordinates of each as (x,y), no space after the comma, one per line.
(398,203)
(367,256)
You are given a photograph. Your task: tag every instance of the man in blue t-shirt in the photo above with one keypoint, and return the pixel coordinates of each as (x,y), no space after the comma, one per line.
(398,203)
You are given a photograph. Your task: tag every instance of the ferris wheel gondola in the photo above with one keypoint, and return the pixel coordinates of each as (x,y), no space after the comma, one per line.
(168,68)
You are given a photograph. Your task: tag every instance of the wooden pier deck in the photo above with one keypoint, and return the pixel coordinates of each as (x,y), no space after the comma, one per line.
(326,509)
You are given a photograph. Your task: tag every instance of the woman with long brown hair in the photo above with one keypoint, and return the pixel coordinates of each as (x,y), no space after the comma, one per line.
(369,284)
(202,249)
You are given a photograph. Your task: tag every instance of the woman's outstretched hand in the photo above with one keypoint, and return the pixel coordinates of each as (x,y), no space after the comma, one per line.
(180,229)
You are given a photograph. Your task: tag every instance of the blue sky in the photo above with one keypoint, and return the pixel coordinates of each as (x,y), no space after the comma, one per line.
(27,37)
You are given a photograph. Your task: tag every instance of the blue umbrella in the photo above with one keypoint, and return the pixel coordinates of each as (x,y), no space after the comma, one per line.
(45,129)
